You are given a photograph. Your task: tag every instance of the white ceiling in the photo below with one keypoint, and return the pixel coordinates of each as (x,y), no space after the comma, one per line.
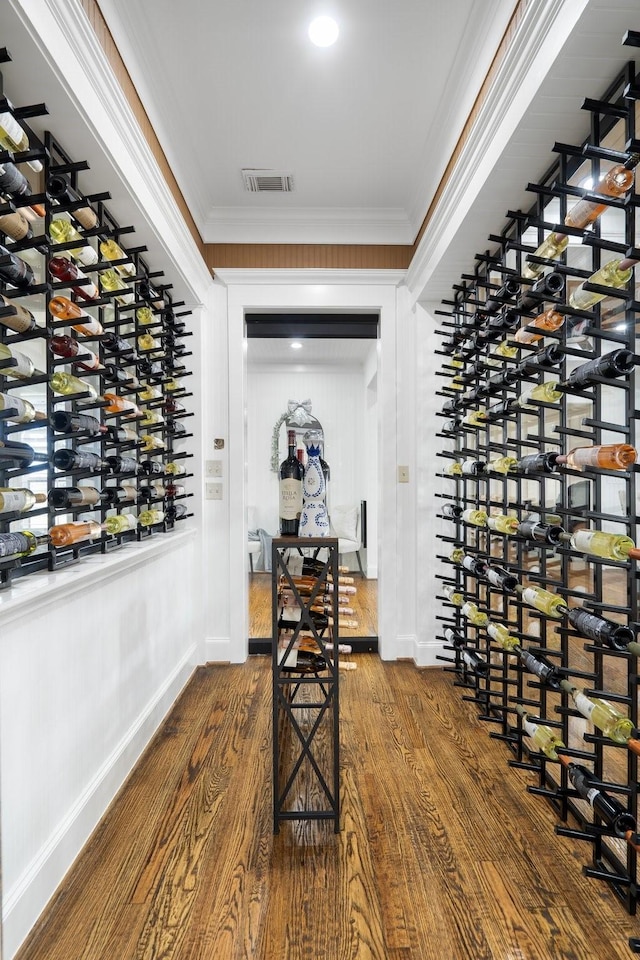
(366,127)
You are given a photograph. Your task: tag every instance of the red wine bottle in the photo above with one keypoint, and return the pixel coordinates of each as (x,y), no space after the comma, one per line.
(60,190)
(63,421)
(547,287)
(70,497)
(152,467)
(112,343)
(545,359)
(291,476)
(63,346)
(614,635)
(73,460)
(15,270)
(123,465)
(67,271)
(609,808)
(20,454)
(540,532)
(618,363)
(175,511)
(508,291)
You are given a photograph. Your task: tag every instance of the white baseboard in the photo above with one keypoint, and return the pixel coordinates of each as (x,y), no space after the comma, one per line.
(425,654)
(224,650)
(27,898)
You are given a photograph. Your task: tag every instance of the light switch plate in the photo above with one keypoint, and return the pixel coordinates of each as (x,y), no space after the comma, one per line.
(213,468)
(213,491)
(403,474)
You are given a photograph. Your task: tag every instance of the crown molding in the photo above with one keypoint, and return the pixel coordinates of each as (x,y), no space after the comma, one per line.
(232,276)
(541,34)
(64,35)
(308,225)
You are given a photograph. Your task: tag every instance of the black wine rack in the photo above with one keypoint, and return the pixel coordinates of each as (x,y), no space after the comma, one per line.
(487,368)
(154,377)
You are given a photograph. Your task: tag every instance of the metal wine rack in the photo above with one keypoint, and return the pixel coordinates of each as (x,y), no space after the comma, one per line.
(115,318)
(306,734)
(476,375)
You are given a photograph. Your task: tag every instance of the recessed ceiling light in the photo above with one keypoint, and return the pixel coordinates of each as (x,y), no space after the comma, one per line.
(323,31)
(295,345)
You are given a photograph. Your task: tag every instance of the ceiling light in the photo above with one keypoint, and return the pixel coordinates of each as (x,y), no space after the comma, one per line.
(323,31)
(296,345)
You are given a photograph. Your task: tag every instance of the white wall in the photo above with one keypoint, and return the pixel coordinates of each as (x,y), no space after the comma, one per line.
(337,395)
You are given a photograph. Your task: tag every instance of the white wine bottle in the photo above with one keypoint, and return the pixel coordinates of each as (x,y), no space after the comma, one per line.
(149,518)
(14,139)
(551,248)
(111,250)
(20,544)
(502,523)
(18,410)
(544,737)
(63,231)
(22,367)
(601,713)
(120,523)
(66,384)
(19,499)
(615,274)
(608,546)
(478,518)
(547,602)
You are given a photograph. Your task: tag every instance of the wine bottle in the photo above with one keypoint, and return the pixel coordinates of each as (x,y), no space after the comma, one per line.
(15,226)
(508,291)
(66,459)
(111,282)
(20,544)
(120,523)
(614,183)
(18,410)
(149,518)
(119,434)
(70,348)
(72,497)
(152,370)
(66,534)
(118,404)
(172,406)
(501,578)
(67,385)
(467,608)
(607,807)
(115,374)
(173,490)
(14,184)
(477,518)
(63,421)
(15,270)
(291,475)
(123,493)
(597,543)
(64,309)
(551,248)
(542,393)
(468,468)
(151,443)
(475,419)
(175,511)
(60,190)
(154,488)
(151,467)
(62,231)
(147,292)
(545,359)
(501,635)
(549,322)
(150,418)
(19,453)
(13,138)
(175,469)
(19,318)
(474,565)
(19,499)
(504,350)
(537,463)
(65,270)
(544,737)
(147,342)
(299,566)
(614,635)
(502,523)
(606,456)
(111,250)
(22,367)
(150,393)
(145,315)
(474,662)
(118,345)
(540,532)
(546,674)
(612,365)
(172,384)
(546,288)
(123,465)
(502,465)
(615,274)
(601,713)
(551,604)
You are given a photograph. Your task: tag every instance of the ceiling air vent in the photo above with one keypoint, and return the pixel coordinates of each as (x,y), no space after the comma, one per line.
(267,181)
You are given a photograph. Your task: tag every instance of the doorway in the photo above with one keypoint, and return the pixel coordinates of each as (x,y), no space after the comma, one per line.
(315,371)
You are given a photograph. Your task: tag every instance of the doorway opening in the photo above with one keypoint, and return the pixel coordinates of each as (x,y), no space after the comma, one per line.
(330,383)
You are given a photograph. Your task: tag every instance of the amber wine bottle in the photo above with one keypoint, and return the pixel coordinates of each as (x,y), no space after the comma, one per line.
(544,737)
(613,183)
(64,309)
(601,713)
(66,534)
(607,456)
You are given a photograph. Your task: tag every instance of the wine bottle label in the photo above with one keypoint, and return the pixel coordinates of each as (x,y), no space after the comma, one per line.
(290,498)
(13,500)
(469,563)
(13,543)
(88,325)
(591,795)
(23,367)
(530,728)
(88,495)
(470,467)
(584,705)
(494,578)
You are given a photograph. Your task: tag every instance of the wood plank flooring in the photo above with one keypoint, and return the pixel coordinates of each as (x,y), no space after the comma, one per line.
(364,604)
(443,855)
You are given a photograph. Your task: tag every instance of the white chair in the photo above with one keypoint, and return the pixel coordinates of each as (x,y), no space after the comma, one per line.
(253,546)
(346,525)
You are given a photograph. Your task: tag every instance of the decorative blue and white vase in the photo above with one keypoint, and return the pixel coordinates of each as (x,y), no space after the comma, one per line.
(314,519)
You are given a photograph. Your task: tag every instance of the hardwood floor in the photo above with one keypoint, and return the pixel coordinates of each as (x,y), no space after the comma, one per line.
(443,855)
(364,603)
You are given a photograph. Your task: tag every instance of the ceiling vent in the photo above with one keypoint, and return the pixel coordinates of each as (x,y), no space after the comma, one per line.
(267,181)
